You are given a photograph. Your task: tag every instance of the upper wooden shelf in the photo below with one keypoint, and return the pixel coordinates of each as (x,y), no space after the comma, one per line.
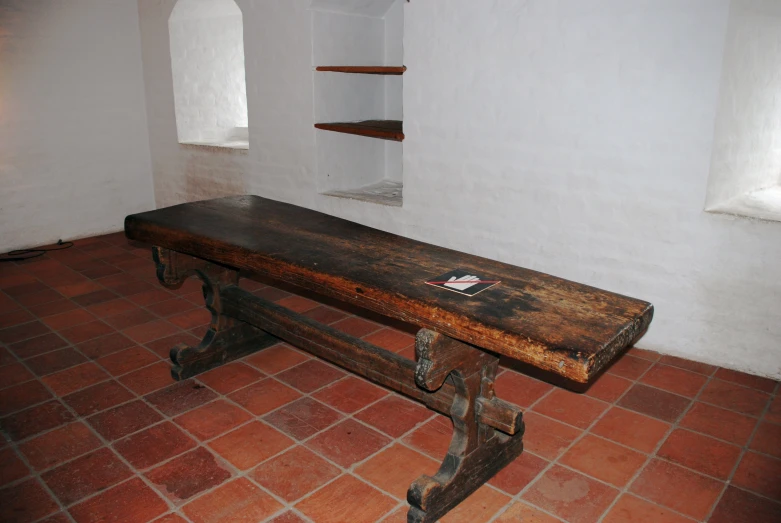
(383,129)
(363,69)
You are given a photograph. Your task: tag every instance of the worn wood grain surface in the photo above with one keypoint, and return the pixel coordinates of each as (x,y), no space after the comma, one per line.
(565,327)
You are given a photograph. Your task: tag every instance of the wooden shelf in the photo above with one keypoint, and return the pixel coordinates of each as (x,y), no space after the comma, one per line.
(383,129)
(363,69)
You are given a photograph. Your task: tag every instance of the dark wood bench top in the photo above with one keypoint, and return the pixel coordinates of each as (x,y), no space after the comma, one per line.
(570,329)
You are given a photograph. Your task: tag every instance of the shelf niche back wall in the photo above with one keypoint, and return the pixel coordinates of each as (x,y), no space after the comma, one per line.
(357,33)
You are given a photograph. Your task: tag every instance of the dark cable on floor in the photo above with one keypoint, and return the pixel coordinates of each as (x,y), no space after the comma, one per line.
(26,254)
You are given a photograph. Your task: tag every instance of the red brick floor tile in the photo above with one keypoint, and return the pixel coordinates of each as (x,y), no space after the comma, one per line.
(180,397)
(191,319)
(767,439)
(479,507)
(291,517)
(604,460)
(701,453)
(171,307)
(673,379)
(100,296)
(75,378)
(303,418)
(572,408)
(644,354)
(59,445)
(86,475)
(270,293)
(149,297)
(25,288)
(150,331)
(519,473)
(276,359)
(189,474)
(133,287)
(526,513)
(38,345)
(355,326)
(78,289)
(390,339)
(297,303)
(398,516)
(608,387)
(348,442)
(12,468)
(747,380)
(199,332)
(395,468)
(629,367)
(346,499)
(433,437)
(773,413)
(546,437)
(325,315)
(68,319)
(163,346)
(13,375)
(13,318)
(350,394)
(171,518)
(739,506)
(153,445)
(37,419)
(295,473)
(631,509)
(99,272)
(654,402)
(719,423)
(98,397)
(138,503)
(22,332)
(54,361)
(26,501)
(123,420)
(148,379)
(134,316)
(38,298)
(113,308)
(21,396)
(227,378)
(238,500)
(212,419)
(760,474)
(250,444)
(6,358)
(264,396)
(570,495)
(127,360)
(86,331)
(677,488)
(105,345)
(632,429)
(394,415)
(310,375)
(519,389)
(735,397)
(53,307)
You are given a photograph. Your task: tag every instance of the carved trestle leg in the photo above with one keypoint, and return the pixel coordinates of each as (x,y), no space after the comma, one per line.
(227,338)
(477,451)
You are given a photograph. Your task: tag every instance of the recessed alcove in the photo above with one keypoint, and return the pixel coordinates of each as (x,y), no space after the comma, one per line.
(207,65)
(358,61)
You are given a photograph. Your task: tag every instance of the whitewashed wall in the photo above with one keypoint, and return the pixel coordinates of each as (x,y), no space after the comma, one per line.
(207,60)
(74,149)
(569,137)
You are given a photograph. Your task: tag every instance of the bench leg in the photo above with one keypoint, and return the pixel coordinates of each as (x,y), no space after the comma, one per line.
(227,338)
(477,452)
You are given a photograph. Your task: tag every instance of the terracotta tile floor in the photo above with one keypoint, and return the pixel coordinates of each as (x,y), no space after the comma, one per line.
(95,430)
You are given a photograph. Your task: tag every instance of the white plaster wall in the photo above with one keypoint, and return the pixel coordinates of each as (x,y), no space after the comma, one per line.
(747,141)
(74,150)
(207,60)
(569,137)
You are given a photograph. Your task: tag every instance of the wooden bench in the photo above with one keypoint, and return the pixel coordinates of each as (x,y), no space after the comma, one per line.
(566,328)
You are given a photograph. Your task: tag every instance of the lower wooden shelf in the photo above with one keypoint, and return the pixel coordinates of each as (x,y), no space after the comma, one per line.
(383,129)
